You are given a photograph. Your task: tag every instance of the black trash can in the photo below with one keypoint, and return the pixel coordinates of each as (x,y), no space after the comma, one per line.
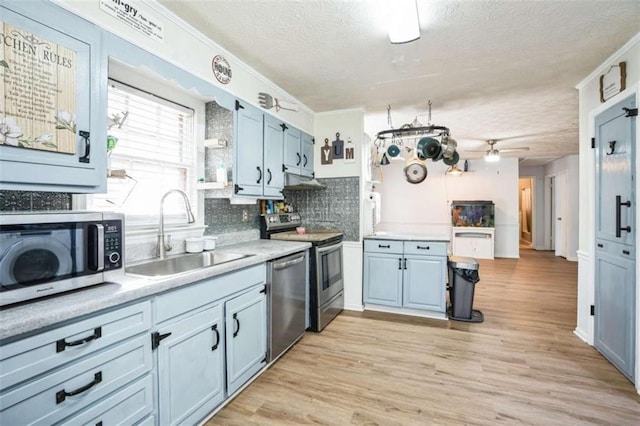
(463,276)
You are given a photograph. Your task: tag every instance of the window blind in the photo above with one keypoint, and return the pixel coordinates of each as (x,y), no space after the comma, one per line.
(155,147)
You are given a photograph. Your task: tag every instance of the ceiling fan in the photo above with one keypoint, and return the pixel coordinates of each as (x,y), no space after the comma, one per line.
(492,154)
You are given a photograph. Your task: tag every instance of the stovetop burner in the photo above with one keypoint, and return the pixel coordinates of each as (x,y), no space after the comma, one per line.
(282,226)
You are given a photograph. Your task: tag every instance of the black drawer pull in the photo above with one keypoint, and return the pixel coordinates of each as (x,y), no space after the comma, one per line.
(62,343)
(235,318)
(600,245)
(405,263)
(400,263)
(214,327)
(626,252)
(62,394)
(423,248)
(381,246)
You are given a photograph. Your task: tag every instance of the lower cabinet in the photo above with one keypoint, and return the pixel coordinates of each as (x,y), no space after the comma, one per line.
(210,339)
(246,336)
(398,274)
(191,367)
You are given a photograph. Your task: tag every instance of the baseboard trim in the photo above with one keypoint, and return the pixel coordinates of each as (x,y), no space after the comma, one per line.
(357,308)
(582,335)
(406,311)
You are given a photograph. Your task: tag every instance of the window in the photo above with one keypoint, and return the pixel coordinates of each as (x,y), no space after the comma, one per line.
(154,152)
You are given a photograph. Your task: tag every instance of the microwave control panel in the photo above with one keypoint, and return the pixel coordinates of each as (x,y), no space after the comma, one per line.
(113,244)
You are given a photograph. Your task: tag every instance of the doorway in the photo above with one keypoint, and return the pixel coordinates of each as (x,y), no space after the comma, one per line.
(526,203)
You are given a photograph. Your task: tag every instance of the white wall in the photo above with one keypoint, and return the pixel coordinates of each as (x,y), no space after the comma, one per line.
(426,207)
(186,48)
(537,175)
(589,106)
(350,124)
(570,164)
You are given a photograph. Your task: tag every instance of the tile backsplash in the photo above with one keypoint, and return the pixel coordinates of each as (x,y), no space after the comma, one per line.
(222,217)
(34,201)
(336,207)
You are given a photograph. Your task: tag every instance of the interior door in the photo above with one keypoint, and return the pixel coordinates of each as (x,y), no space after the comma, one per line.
(615,287)
(560,206)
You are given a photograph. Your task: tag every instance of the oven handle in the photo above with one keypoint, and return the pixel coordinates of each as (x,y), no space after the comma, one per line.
(283,265)
(322,250)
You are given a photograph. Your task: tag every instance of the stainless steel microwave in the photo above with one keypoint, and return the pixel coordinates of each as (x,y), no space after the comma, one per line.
(44,253)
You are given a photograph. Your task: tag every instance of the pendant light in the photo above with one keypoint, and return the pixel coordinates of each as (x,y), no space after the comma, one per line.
(454,171)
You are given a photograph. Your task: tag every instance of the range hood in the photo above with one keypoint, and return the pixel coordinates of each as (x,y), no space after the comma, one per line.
(297,182)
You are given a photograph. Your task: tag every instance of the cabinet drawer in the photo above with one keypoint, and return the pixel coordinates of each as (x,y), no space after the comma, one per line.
(34,355)
(383,246)
(177,302)
(55,396)
(128,406)
(431,248)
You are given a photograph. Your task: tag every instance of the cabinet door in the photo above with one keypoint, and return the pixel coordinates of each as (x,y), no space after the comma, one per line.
(191,367)
(246,336)
(273,153)
(55,96)
(307,155)
(383,279)
(424,282)
(249,173)
(292,152)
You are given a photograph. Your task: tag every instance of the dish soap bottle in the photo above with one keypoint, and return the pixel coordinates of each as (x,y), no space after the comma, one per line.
(221,174)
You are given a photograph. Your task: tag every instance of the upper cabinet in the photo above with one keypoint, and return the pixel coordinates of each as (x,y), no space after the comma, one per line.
(258,169)
(53,100)
(298,152)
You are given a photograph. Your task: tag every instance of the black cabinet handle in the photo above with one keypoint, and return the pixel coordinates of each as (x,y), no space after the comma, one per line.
(61,395)
(235,318)
(214,327)
(381,246)
(625,252)
(299,159)
(259,174)
(423,248)
(600,245)
(400,263)
(270,177)
(305,161)
(62,343)
(405,264)
(619,205)
(86,158)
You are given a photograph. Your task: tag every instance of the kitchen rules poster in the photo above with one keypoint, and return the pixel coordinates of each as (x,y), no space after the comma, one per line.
(38,92)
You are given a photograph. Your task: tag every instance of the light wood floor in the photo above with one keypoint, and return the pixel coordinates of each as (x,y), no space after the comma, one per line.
(523,365)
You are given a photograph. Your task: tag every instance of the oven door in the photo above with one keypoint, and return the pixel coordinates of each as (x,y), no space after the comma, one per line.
(329,276)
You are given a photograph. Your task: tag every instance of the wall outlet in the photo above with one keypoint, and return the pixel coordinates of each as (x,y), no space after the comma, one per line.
(245,215)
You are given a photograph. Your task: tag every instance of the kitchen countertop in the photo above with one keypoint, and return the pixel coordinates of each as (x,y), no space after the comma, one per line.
(39,314)
(407,236)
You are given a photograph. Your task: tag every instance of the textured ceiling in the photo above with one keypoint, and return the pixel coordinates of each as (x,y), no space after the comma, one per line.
(493,69)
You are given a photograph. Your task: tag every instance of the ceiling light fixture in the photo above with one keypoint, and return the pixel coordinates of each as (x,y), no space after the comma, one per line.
(492,156)
(404,26)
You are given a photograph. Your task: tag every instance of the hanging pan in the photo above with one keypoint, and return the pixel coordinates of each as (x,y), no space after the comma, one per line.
(452,160)
(429,147)
(415,171)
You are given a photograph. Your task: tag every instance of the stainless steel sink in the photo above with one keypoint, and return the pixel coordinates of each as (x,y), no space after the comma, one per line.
(184,263)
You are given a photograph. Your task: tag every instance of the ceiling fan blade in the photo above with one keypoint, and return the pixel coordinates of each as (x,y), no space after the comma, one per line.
(524,148)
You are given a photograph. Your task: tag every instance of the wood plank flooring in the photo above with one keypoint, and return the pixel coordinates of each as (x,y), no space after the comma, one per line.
(523,365)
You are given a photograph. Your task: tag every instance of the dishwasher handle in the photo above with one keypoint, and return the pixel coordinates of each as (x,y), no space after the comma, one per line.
(288,263)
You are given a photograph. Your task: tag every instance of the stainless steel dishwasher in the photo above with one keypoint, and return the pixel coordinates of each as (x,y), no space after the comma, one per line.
(287,281)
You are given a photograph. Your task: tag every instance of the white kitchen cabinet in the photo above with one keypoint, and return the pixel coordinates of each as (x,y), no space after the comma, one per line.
(473,242)
(70,369)
(298,152)
(246,336)
(75,125)
(407,274)
(258,151)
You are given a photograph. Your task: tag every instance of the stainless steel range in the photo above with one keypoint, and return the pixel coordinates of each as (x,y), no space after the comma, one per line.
(326,285)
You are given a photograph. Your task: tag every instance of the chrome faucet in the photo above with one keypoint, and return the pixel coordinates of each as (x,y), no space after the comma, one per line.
(163,245)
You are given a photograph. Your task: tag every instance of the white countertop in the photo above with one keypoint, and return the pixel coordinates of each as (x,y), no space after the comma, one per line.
(30,316)
(408,236)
